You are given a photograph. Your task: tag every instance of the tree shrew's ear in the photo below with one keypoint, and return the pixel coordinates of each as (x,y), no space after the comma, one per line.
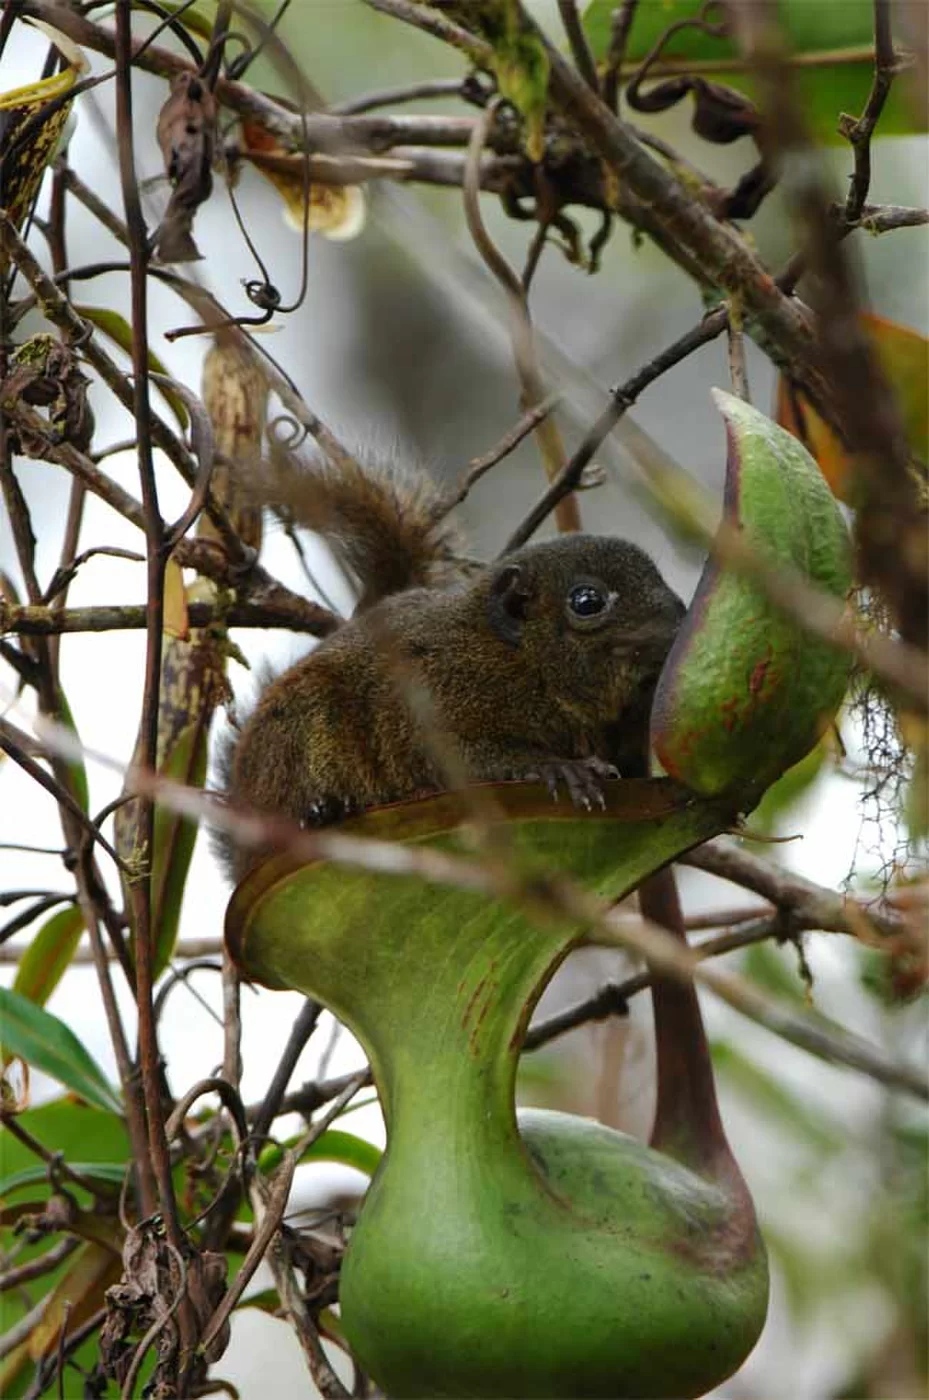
(508,606)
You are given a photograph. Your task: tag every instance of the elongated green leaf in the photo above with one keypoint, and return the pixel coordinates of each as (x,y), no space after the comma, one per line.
(78,1294)
(27,158)
(193,19)
(76,769)
(120,332)
(521,66)
(103,1173)
(44,961)
(46,1043)
(347,1149)
(774,1103)
(831,40)
(174,839)
(71,1127)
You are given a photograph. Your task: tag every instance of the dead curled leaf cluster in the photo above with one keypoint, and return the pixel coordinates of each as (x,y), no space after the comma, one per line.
(172,1262)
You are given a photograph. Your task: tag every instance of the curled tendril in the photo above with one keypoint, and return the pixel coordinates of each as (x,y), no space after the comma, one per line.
(479,87)
(287,433)
(232,36)
(263,294)
(703,21)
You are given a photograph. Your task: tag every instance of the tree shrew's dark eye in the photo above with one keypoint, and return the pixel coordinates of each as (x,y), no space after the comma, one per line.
(586,600)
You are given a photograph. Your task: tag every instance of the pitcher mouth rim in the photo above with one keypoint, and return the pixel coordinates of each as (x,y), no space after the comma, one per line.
(626,800)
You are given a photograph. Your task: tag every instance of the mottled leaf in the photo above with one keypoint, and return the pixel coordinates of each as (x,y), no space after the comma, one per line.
(28,140)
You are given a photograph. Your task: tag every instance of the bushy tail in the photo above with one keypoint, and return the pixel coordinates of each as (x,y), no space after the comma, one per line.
(386,526)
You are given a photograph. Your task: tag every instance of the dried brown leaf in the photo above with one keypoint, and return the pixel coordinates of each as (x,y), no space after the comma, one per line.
(186,133)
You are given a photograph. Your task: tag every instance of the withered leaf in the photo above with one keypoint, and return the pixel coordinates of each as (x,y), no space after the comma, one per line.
(153,1278)
(186,133)
(45,373)
(721,114)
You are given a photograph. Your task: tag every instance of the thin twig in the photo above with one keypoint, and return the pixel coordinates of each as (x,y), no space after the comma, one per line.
(41,1265)
(620,26)
(17,744)
(214,314)
(61,313)
(300,1032)
(140,889)
(812,906)
(391,97)
(738,374)
(532,387)
(128,617)
(200,554)
(688,230)
(54,1161)
(50,1366)
(860,132)
(204,449)
(884,218)
(431,22)
(479,466)
(577,39)
(272,1202)
(621,400)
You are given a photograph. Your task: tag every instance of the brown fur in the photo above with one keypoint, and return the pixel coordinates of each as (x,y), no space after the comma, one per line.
(511,678)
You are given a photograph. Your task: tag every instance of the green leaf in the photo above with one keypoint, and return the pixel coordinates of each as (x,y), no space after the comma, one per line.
(832,40)
(192,19)
(745,692)
(76,770)
(192,681)
(788,790)
(775,1104)
(71,1127)
(48,955)
(521,67)
(347,1149)
(173,842)
(105,1173)
(120,332)
(46,1043)
(770,967)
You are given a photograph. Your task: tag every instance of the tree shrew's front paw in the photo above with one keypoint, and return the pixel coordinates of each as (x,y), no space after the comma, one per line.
(326,811)
(583,778)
